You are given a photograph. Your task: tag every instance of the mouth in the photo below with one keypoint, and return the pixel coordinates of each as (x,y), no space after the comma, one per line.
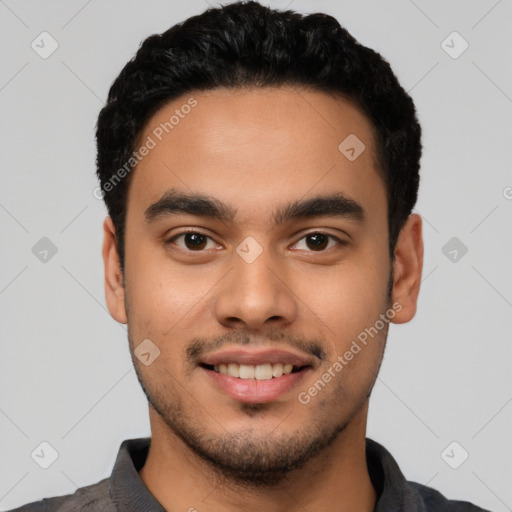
(251,376)
(265,371)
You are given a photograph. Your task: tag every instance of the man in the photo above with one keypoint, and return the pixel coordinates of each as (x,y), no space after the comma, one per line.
(259,168)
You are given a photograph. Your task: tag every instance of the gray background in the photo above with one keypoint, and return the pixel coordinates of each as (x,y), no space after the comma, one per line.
(65,372)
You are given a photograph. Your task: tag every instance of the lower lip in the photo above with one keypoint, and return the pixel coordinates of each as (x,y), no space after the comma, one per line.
(254,391)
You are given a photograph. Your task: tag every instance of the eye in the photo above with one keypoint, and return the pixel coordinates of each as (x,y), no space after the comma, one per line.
(319,241)
(194,241)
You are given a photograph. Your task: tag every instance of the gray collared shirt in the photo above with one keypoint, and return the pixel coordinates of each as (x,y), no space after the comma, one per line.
(124,490)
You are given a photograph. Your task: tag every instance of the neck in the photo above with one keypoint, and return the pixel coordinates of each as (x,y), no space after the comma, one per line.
(337,480)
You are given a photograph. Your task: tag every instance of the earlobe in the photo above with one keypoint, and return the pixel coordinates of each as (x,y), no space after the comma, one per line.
(114,288)
(407,269)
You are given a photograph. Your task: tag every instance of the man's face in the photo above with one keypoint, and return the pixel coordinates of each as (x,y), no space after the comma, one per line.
(247,289)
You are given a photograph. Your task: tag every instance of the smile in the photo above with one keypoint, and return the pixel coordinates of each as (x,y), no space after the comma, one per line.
(265,371)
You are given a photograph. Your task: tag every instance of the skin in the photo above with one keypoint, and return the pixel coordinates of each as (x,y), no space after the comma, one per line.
(257,149)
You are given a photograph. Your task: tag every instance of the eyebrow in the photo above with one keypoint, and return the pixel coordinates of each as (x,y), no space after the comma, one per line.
(174,202)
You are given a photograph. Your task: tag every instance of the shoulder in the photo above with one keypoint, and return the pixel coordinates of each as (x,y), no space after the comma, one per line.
(86,499)
(437,502)
(397,493)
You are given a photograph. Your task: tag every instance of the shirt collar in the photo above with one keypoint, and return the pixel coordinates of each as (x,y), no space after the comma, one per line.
(394,491)
(126,486)
(131,495)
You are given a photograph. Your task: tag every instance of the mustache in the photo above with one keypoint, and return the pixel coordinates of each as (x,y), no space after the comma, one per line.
(200,346)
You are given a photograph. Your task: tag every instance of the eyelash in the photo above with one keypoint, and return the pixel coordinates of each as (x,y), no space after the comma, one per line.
(195,232)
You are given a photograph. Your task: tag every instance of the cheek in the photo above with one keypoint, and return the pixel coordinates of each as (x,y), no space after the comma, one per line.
(347,300)
(168,303)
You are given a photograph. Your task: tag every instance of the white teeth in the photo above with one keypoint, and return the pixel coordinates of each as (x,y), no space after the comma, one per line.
(233,370)
(263,372)
(259,372)
(246,371)
(277,370)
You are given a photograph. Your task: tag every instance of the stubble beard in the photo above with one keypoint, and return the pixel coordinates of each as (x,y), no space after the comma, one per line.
(250,458)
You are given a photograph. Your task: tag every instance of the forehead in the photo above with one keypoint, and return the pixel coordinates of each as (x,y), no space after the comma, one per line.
(257,148)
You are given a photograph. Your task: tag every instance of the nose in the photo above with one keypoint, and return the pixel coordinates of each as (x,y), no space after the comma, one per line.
(255,295)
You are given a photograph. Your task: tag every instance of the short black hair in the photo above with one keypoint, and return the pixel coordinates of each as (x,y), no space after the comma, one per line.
(246,44)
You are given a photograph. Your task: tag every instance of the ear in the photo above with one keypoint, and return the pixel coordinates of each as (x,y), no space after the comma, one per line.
(407,268)
(114,288)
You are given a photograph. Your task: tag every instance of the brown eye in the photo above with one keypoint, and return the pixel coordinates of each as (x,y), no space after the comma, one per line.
(318,242)
(192,240)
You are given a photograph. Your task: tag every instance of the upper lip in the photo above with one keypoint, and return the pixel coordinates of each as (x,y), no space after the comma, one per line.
(257,357)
